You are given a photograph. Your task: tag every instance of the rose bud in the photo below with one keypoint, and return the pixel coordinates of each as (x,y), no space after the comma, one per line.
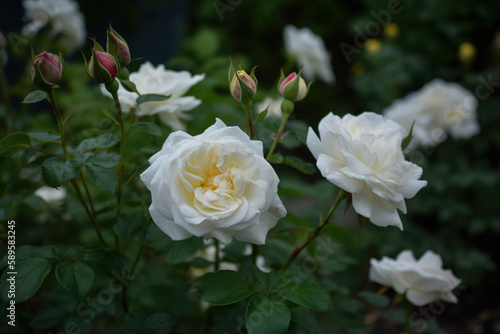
(293,87)
(118,47)
(241,85)
(47,69)
(102,66)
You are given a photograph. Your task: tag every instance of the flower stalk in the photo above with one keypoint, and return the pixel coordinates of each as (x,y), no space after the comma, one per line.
(316,232)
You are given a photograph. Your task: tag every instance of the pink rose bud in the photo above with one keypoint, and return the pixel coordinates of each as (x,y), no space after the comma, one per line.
(102,67)
(249,84)
(118,47)
(293,87)
(47,69)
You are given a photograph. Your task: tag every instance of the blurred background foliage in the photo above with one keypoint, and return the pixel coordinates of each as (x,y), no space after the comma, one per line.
(457,215)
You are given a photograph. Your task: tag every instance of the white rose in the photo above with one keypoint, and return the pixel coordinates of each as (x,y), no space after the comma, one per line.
(51,195)
(362,155)
(151,80)
(437,108)
(65,19)
(310,52)
(216,184)
(423,281)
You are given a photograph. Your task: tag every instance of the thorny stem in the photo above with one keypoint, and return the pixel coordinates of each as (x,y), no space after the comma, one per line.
(318,229)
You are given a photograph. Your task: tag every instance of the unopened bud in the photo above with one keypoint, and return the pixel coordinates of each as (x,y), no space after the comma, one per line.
(118,47)
(293,87)
(47,69)
(242,86)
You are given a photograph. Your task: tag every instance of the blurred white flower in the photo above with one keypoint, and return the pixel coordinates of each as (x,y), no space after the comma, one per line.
(274,106)
(51,195)
(64,18)
(362,155)
(438,108)
(151,80)
(423,281)
(260,262)
(310,52)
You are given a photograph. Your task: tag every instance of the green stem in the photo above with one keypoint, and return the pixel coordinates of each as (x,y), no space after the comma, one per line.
(277,139)
(318,229)
(407,316)
(248,111)
(60,122)
(89,198)
(87,210)
(43,151)
(217,259)
(119,188)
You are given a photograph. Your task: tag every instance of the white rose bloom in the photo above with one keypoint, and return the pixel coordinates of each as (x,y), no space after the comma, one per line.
(437,108)
(362,155)
(151,80)
(273,104)
(216,184)
(423,281)
(51,195)
(310,52)
(63,16)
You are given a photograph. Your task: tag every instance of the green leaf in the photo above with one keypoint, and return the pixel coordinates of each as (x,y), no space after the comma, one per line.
(297,163)
(261,115)
(128,224)
(184,249)
(104,178)
(274,280)
(76,277)
(276,158)
(12,143)
(102,141)
(43,137)
(407,140)
(56,171)
(151,98)
(105,160)
(128,85)
(379,301)
(265,316)
(35,96)
(159,323)
(223,287)
(340,234)
(30,274)
(106,261)
(148,127)
(308,295)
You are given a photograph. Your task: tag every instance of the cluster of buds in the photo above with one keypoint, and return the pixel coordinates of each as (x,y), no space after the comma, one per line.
(293,88)
(47,69)
(104,66)
(242,85)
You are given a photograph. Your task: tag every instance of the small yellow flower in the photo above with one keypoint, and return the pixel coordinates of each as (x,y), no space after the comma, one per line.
(373,45)
(391,30)
(466,52)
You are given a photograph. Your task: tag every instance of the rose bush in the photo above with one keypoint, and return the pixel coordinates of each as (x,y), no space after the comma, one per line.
(362,155)
(423,281)
(216,184)
(437,108)
(158,80)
